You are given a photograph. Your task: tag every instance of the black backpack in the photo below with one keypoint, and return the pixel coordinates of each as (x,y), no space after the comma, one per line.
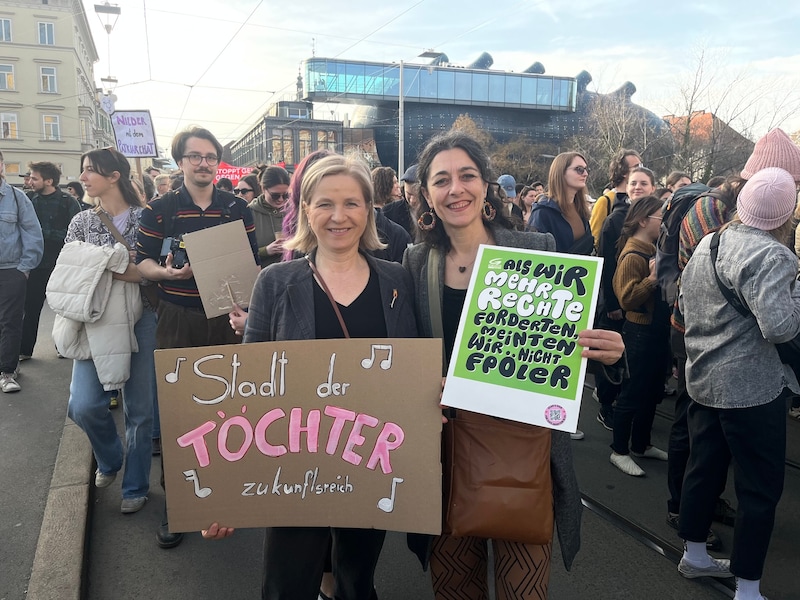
(667,271)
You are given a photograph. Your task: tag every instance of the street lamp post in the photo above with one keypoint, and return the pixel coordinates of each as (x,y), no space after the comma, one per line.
(108,15)
(401,114)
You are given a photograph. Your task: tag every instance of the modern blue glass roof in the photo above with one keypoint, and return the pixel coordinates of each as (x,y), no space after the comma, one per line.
(333,80)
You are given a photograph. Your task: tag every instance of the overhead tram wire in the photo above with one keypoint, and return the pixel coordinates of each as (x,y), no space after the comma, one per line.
(214,60)
(262,107)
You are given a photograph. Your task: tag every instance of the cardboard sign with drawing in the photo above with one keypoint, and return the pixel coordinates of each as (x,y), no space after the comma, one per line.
(223,266)
(516,354)
(341,433)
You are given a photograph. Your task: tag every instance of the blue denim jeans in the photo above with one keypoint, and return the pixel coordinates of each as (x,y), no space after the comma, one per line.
(88,407)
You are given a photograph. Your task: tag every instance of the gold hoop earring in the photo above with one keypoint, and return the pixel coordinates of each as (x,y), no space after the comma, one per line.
(427,220)
(489,212)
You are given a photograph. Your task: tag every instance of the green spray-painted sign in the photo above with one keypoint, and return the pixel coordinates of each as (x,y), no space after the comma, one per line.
(519,331)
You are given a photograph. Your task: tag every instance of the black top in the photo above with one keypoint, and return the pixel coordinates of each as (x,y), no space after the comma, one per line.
(364,316)
(452,304)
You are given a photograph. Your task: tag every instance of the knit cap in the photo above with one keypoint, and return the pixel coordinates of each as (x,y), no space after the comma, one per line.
(767,200)
(775,149)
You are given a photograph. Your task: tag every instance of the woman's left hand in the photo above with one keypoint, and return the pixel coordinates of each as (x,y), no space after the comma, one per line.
(601,345)
(215,532)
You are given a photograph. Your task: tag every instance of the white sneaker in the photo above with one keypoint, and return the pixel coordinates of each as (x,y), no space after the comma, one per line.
(578,435)
(626,464)
(652,452)
(8,383)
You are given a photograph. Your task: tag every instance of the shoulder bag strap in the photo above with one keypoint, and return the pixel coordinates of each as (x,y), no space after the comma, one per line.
(328,293)
(434,301)
(110,226)
(732,299)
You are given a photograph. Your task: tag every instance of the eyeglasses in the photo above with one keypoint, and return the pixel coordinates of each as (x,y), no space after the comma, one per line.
(276,196)
(197,159)
(655,217)
(243,191)
(581,170)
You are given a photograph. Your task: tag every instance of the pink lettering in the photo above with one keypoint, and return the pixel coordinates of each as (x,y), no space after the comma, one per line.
(311,429)
(222,438)
(384,445)
(262,444)
(340,416)
(356,439)
(195,439)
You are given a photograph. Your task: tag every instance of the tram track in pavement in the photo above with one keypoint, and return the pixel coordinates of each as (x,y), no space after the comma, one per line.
(650,539)
(653,541)
(647,537)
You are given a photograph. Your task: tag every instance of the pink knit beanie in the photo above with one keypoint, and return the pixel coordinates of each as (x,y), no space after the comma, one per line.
(767,200)
(775,149)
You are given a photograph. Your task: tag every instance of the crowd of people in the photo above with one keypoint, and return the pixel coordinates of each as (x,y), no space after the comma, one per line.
(353,243)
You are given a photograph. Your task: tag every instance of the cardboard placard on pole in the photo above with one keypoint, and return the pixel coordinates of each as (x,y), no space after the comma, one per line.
(223,266)
(341,433)
(134,133)
(516,354)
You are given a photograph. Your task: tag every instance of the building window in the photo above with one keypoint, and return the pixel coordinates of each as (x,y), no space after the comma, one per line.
(6,77)
(48,78)
(85,135)
(8,123)
(12,170)
(51,127)
(47,34)
(304,138)
(326,140)
(5,30)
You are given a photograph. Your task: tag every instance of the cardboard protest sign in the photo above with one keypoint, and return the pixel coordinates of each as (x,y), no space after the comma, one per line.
(339,433)
(133,130)
(223,266)
(516,354)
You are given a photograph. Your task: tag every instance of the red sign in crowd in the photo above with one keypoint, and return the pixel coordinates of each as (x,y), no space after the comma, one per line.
(234,173)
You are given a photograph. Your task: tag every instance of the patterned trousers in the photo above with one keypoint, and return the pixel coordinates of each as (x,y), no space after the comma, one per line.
(459,569)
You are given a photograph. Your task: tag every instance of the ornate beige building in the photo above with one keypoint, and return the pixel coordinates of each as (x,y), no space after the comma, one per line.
(49,106)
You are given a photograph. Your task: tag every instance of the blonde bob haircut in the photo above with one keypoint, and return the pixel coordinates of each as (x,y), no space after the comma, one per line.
(305,240)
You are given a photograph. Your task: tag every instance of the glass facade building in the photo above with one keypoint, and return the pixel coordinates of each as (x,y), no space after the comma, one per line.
(333,80)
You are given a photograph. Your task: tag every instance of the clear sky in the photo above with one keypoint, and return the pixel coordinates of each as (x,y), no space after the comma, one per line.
(220,64)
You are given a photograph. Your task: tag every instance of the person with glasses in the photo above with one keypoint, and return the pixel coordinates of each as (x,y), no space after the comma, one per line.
(268,210)
(565,214)
(248,187)
(197,204)
(646,336)
(640,182)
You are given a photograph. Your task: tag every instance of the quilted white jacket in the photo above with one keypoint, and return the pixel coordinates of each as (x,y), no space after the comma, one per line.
(95,314)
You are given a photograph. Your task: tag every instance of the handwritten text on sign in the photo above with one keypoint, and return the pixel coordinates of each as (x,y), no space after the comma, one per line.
(133,130)
(516,353)
(327,432)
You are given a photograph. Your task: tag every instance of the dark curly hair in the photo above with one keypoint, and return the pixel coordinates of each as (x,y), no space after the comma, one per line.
(383,179)
(437,237)
(618,170)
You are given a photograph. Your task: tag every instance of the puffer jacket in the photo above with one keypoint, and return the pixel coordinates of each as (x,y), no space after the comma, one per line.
(95,314)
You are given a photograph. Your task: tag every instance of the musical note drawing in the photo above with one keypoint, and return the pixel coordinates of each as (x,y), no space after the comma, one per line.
(204,492)
(387,504)
(172,377)
(385,363)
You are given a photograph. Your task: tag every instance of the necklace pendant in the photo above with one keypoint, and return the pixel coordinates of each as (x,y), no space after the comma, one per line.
(462,269)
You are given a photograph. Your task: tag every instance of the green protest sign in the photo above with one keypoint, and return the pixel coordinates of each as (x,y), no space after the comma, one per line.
(516,352)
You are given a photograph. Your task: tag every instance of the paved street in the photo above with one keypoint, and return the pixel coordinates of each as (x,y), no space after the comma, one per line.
(123,561)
